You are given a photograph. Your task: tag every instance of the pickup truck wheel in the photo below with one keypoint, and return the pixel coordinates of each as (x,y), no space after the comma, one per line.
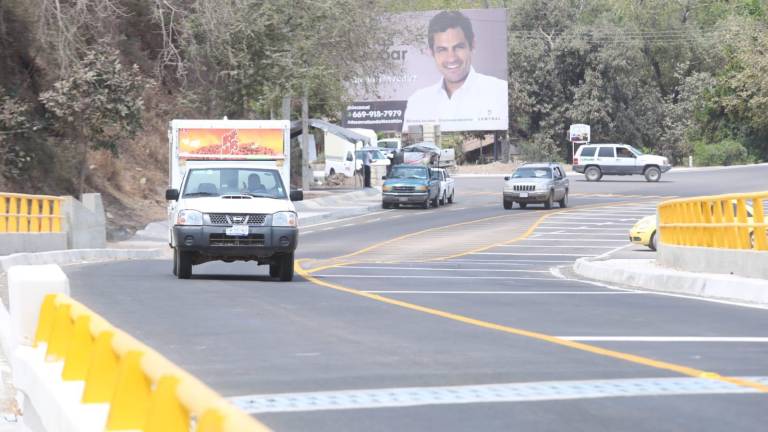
(507,204)
(183,263)
(652,174)
(548,203)
(175,263)
(436,201)
(593,173)
(564,202)
(450,198)
(522,205)
(443,199)
(286,267)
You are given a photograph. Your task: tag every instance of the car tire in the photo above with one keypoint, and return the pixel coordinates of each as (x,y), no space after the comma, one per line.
(653,243)
(507,204)
(385,205)
(564,202)
(332,172)
(450,198)
(652,174)
(443,200)
(523,205)
(550,200)
(274,269)
(183,264)
(436,201)
(286,267)
(175,263)
(593,173)
(425,204)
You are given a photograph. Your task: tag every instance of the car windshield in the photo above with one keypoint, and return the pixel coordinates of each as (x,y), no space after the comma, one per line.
(234,181)
(388,144)
(635,151)
(375,154)
(530,172)
(408,173)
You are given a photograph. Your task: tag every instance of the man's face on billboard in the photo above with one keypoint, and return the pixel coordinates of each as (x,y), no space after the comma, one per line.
(453,55)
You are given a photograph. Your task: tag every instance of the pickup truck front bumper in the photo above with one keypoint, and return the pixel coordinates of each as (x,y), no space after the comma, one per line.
(404,198)
(212,242)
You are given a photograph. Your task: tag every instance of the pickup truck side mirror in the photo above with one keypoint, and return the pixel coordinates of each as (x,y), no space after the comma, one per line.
(171,194)
(297,195)
(506,178)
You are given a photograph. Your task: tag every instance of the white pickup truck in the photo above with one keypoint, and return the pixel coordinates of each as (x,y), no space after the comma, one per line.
(447,185)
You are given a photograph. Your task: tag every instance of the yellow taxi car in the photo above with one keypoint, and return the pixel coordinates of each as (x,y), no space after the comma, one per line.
(644,232)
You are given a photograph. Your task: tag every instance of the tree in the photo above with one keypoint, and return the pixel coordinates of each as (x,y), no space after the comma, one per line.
(97,105)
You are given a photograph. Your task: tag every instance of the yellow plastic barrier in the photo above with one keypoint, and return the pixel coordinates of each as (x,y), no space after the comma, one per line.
(732,221)
(145,391)
(21,213)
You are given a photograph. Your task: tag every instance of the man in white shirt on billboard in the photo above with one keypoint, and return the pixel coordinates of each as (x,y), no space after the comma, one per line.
(463,99)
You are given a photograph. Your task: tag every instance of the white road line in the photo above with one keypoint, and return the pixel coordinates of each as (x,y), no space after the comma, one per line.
(665,339)
(441,269)
(531,254)
(326,276)
(556,246)
(517,261)
(574,241)
(583,228)
(506,292)
(487,393)
(343,220)
(347,225)
(326,229)
(581,222)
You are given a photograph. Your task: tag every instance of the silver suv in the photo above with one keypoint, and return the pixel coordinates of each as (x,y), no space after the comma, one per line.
(536,183)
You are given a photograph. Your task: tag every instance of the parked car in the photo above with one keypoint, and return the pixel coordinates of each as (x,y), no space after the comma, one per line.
(596,160)
(536,183)
(389,146)
(410,184)
(447,185)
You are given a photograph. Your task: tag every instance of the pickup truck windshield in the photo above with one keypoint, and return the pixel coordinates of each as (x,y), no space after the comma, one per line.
(408,173)
(532,173)
(206,182)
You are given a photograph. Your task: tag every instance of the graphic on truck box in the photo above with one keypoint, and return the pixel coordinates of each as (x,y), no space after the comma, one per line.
(231,143)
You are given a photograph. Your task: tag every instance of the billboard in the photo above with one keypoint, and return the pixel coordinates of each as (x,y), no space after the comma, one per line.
(453,72)
(579,133)
(231,143)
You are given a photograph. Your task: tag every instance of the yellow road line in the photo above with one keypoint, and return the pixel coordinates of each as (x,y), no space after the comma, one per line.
(683,370)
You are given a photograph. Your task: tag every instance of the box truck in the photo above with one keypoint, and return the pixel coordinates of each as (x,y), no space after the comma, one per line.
(229,194)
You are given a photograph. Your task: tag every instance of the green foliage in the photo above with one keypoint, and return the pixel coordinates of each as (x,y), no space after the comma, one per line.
(14,124)
(726,152)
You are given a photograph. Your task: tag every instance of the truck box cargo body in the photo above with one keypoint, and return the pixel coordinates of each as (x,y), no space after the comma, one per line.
(229,194)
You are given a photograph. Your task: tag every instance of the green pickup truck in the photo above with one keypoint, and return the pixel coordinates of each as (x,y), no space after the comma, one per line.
(410,185)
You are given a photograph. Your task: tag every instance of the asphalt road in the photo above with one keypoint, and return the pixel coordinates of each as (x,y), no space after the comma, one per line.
(459,318)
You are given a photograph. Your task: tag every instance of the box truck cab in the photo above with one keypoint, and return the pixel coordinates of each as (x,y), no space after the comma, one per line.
(229,195)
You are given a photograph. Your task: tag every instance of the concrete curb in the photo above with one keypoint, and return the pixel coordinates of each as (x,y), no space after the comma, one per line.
(644,273)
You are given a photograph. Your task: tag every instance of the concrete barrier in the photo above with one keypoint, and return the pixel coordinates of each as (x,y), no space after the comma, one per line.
(737,262)
(80,373)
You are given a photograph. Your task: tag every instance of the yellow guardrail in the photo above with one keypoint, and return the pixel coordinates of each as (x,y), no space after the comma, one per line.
(20,213)
(145,391)
(732,221)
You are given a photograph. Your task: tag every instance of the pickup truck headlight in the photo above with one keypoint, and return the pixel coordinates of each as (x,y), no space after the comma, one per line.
(420,188)
(285,219)
(387,188)
(189,217)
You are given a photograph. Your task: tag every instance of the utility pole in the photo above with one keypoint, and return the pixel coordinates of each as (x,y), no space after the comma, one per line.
(306,171)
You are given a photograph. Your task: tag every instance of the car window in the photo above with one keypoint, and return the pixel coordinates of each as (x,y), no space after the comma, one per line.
(624,153)
(527,172)
(588,151)
(605,152)
(558,174)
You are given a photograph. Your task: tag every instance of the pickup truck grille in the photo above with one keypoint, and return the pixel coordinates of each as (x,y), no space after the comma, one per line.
(404,188)
(524,188)
(231,219)
(225,240)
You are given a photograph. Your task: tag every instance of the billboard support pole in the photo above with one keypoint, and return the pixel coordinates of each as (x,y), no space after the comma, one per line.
(306,172)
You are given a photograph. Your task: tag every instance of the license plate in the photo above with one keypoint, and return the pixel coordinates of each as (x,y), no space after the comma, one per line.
(523,194)
(403,199)
(237,230)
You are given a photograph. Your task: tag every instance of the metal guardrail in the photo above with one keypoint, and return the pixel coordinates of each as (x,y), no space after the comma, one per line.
(20,213)
(721,221)
(144,390)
